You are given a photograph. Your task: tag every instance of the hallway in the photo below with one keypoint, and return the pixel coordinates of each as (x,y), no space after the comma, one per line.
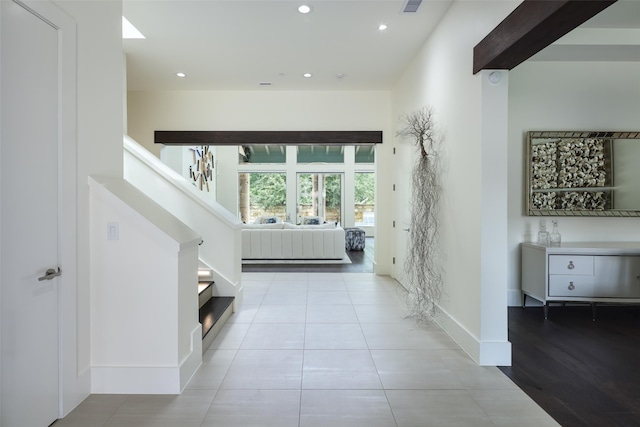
(325,349)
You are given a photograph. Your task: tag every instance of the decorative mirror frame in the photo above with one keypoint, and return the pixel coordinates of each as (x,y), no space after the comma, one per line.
(570,186)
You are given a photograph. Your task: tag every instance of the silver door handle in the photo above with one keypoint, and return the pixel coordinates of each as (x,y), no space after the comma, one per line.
(405,229)
(50,274)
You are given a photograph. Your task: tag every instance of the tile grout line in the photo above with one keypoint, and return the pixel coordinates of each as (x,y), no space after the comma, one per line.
(304,342)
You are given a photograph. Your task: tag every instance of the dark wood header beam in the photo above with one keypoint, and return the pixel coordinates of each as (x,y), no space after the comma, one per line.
(267,137)
(531,27)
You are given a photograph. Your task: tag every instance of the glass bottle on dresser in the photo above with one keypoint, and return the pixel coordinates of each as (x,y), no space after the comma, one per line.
(554,237)
(543,234)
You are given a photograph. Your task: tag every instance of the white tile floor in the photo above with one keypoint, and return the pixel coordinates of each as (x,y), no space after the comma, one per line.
(325,349)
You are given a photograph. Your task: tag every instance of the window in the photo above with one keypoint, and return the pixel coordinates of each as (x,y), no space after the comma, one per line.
(262,154)
(334,182)
(365,154)
(320,194)
(262,194)
(365,190)
(320,154)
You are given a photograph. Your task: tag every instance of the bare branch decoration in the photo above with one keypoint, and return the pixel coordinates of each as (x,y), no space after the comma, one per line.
(424,272)
(419,125)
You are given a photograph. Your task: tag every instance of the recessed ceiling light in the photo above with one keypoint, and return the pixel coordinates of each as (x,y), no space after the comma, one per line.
(307,75)
(304,9)
(340,76)
(181,75)
(129,31)
(382,27)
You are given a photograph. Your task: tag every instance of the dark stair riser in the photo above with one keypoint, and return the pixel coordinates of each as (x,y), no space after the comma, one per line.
(211,312)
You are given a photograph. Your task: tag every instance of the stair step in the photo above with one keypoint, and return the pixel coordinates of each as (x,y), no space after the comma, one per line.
(213,315)
(205,292)
(203,286)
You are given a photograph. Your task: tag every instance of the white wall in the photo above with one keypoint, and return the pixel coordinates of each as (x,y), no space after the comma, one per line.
(566,96)
(180,158)
(99,150)
(470,114)
(145,335)
(211,221)
(270,110)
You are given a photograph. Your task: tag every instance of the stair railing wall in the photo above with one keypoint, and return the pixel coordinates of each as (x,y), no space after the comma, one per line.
(220,230)
(145,334)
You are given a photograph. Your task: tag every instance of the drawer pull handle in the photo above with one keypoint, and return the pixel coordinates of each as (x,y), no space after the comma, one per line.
(571,286)
(571,266)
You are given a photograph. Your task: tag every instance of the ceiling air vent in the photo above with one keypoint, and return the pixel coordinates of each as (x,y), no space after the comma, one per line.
(411,6)
(265,83)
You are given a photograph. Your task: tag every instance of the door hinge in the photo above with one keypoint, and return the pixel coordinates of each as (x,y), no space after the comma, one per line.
(394,224)
(394,150)
(394,187)
(394,260)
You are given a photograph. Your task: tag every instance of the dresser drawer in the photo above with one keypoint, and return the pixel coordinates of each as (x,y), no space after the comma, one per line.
(571,264)
(571,286)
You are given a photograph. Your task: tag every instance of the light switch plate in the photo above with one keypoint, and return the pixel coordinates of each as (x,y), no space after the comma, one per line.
(113,231)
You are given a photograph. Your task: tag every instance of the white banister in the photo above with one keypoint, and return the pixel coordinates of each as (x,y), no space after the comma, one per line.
(220,230)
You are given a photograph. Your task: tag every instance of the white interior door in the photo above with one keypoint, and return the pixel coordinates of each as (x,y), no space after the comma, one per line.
(403,164)
(29,218)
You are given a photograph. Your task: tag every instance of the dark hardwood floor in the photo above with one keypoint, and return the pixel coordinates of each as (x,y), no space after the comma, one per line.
(582,372)
(361,262)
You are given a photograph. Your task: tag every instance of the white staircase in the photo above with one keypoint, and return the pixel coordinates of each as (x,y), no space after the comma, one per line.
(220,269)
(214,310)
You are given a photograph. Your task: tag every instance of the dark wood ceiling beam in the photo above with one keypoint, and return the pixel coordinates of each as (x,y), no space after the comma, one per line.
(267,137)
(531,27)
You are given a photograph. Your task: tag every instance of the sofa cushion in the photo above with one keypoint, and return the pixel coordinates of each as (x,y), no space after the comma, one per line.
(328,225)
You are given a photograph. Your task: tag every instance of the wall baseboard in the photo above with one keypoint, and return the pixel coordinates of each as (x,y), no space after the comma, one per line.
(484,353)
(135,380)
(192,362)
(514,298)
(148,379)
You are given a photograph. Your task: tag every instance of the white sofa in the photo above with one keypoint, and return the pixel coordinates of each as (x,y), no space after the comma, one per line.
(288,241)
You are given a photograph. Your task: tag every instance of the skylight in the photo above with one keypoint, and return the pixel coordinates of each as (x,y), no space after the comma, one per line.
(129,31)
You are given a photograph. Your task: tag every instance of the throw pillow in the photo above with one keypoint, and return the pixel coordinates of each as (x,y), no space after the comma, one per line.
(275,226)
(312,220)
(267,220)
